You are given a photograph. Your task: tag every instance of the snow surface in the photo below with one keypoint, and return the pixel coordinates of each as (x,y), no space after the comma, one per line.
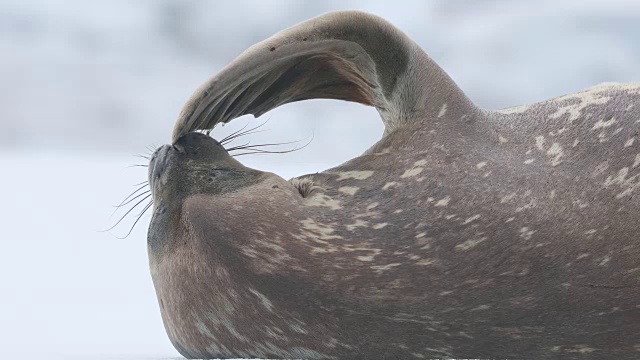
(87,85)
(68,290)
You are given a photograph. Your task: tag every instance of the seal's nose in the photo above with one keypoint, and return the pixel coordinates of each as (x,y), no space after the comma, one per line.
(158,163)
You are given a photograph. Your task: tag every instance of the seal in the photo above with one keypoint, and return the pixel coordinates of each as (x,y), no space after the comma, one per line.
(461,233)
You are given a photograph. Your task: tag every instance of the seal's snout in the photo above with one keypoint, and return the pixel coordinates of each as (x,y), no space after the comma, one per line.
(158,164)
(158,161)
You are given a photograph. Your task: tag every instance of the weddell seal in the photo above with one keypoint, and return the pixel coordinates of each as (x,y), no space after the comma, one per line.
(461,233)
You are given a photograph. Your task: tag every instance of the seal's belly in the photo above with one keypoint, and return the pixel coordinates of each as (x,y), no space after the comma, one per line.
(210,312)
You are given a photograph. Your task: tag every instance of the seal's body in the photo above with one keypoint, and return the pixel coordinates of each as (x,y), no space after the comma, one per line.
(461,233)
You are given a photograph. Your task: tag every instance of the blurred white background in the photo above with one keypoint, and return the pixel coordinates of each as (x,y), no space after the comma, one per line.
(87,85)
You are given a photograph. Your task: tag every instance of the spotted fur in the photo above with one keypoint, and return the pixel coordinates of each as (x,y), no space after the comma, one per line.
(462,233)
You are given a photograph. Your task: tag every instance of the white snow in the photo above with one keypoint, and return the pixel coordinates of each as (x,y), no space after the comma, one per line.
(69,290)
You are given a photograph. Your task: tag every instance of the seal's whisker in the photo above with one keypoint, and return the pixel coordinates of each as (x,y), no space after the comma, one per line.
(138,219)
(265,152)
(240,133)
(146,207)
(131,200)
(233,134)
(127,213)
(138,165)
(244,134)
(144,184)
(256,148)
(247,146)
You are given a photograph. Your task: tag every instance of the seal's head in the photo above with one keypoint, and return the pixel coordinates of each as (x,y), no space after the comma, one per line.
(194,164)
(198,166)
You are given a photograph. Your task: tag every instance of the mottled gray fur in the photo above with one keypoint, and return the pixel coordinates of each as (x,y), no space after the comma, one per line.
(461,233)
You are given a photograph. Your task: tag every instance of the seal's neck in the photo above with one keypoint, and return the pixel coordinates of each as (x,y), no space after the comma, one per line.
(424,92)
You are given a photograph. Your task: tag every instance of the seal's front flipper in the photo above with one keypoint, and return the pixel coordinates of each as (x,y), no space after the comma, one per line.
(348,55)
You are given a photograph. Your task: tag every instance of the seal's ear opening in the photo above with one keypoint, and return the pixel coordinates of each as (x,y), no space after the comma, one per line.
(348,55)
